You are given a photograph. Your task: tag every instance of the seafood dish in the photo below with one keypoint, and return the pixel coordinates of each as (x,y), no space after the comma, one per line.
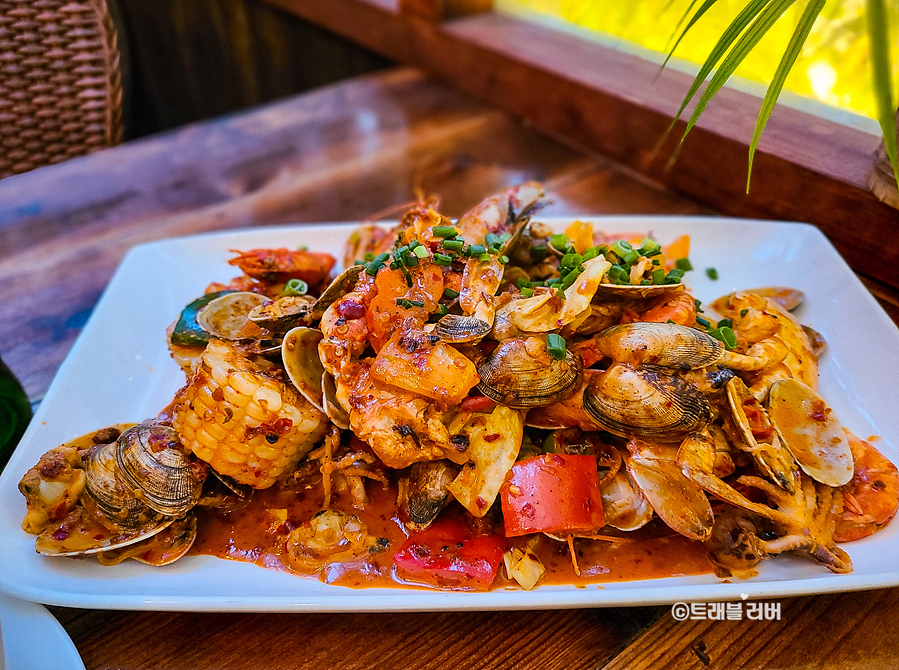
(476,404)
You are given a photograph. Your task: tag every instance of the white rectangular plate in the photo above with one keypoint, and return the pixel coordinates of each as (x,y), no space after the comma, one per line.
(119,371)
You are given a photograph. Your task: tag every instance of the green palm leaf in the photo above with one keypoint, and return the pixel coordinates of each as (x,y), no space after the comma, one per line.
(744,45)
(800,34)
(743,19)
(878,36)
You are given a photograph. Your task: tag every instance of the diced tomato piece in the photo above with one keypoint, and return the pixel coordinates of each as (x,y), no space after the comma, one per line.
(447,555)
(555,493)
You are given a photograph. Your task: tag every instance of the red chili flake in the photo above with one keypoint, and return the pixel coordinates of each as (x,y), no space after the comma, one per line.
(61,534)
(491,438)
(480,502)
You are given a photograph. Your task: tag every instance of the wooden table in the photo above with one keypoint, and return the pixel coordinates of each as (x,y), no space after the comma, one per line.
(344,153)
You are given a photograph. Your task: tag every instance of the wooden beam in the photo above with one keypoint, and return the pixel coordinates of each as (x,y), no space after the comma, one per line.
(807,168)
(437,10)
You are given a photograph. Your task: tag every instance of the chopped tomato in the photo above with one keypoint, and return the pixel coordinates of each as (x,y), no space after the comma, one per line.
(447,555)
(555,493)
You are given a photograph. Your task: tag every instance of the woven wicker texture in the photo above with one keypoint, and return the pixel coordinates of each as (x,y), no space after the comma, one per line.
(60,84)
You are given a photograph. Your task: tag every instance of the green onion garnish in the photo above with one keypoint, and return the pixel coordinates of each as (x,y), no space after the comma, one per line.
(484,258)
(559,241)
(420,251)
(538,252)
(705,323)
(295,287)
(444,231)
(403,302)
(450,294)
(674,276)
(527,292)
(441,310)
(476,250)
(726,335)
(503,260)
(453,245)
(743,312)
(712,273)
(619,275)
(369,257)
(658,276)
(443,259)
(555,345)
(683,264)
(725,323)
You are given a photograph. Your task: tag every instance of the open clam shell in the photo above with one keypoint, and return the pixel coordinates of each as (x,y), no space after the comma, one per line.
(172,542)
(284,313)
(299,352)
(342,285)
(665,344)
(811,431)
(632,291)
(227,317)
(645,402)
(332,407)
(153,463)
(520,373)
(758,435)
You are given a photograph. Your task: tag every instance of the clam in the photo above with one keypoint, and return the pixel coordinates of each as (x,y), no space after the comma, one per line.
(521,373)
(155,466)
(632,291)
(163,548)
(758,437)
(284,313)
(786,297)
(422,492)
(457,329)
(115,504)
(299,352)
(342,285)
(811,432)
(645,402)
(332,407)
(227,317)
(665,344)
(89,537)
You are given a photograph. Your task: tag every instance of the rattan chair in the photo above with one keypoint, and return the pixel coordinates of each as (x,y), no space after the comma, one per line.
(60,82)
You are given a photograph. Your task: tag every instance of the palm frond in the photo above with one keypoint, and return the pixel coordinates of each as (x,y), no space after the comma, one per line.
(759,27)
(800,34)
(878,36)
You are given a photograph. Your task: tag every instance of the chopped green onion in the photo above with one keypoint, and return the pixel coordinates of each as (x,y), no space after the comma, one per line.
(619,275)
(569,279)
(712,273)
(410,261)
(591,253)
(476,250)
(359,262)
(656,262)
(559,241)
(571,260)
(420,251)
(658,276)
(443,259)
(649,247)
(381,257)
(373,267)
(674,276)
(453,245)
(621,248)
(521,282)
(492,240)
(484,258)
(538,252)
(555,281)
(698,304)
(725,323)
(444,231)
(631,257)
(450,294)
(303,247)
(403,302)
(683,264)
(295,287)
(441,310)
(555,345)
(743,312)
(705,323)
(726,335)
(527,292)
(503,260)
(369,257)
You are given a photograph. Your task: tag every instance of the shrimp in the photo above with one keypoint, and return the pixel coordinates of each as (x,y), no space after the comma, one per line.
(279,265)
(679,308)
(871,499)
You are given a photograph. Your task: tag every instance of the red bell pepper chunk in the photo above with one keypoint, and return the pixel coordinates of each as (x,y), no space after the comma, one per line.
(555,493)
(447,555)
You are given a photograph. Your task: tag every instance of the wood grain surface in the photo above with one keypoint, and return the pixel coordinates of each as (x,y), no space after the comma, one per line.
(345,153)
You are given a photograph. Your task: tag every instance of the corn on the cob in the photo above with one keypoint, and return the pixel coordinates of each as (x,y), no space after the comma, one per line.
(244,423)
